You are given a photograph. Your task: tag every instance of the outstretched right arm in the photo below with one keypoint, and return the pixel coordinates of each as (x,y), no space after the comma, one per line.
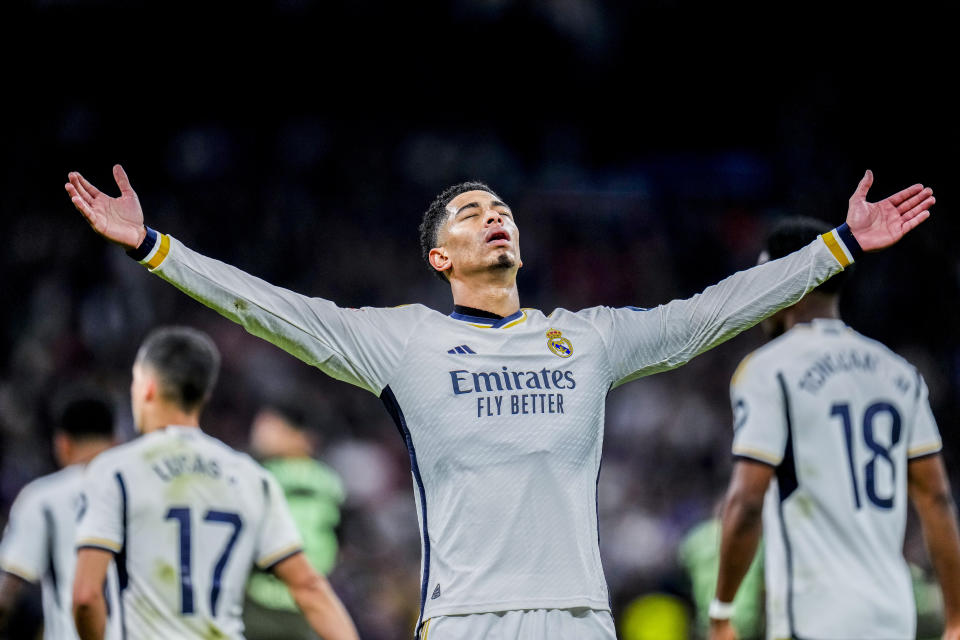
(360,346)
(120,219)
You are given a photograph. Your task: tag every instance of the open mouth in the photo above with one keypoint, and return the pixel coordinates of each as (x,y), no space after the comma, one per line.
(498,236)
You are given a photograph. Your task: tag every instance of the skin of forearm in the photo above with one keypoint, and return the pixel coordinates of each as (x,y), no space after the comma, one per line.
(90,617)
(741,529)
(938,516)
(324,611)
(6,607)
(9,594)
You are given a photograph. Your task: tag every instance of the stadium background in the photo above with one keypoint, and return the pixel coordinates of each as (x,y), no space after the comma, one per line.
(644,159)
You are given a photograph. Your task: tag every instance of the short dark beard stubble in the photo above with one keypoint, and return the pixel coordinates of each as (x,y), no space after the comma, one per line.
(503,262)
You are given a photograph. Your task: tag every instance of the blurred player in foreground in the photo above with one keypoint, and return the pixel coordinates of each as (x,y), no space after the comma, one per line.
(38,544)
(185,515)
(282,440)
(836,431)
(501,408)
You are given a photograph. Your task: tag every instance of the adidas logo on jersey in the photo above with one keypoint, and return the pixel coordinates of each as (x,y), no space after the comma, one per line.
(462,349)
(436,592)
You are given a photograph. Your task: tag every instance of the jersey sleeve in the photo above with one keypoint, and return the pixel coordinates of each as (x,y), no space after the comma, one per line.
(759,419)
(277,538)
(359,346)
(23,551)
(640,342)
(924,434)
(101,516)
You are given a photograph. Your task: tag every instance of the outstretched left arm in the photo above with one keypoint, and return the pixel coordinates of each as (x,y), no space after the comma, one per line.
(671,334)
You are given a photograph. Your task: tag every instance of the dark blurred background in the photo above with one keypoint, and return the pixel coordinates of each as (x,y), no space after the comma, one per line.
(644,150)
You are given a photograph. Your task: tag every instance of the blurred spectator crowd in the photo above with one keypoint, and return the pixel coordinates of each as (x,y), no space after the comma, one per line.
(329,207)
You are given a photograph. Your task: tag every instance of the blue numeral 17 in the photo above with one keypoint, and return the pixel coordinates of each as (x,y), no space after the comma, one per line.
(182,516)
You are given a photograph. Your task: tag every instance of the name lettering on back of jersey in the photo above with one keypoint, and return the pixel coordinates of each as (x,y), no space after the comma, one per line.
(832,363)
(176,465)
(464,349)
(547,381)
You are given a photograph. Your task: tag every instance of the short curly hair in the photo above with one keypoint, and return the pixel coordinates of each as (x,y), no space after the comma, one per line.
(436,215)
(85,414)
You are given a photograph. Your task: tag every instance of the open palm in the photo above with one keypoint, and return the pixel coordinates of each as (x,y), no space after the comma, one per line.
(877,225)
(120,219)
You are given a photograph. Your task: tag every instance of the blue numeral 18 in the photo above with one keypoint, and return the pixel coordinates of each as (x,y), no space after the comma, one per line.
(842,410)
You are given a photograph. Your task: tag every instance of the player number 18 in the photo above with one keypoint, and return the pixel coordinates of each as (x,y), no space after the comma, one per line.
(880,452)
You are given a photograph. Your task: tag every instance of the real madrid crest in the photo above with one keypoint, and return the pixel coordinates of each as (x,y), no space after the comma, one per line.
(558,344)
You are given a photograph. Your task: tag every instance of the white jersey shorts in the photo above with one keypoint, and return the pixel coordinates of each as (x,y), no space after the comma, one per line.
(529,624)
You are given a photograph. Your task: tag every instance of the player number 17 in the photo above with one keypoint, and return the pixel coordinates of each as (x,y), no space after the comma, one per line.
(880,452)
(182,516)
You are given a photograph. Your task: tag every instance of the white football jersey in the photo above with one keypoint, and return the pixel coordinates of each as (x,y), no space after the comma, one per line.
(38,546)
(187,518)
(838,415)
(503,419)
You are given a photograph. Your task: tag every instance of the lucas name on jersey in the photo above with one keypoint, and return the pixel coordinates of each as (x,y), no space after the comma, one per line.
(486,384)
(176,465)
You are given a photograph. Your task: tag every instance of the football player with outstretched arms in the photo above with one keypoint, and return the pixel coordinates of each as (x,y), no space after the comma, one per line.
(501,407)
(186,516)
(832,434)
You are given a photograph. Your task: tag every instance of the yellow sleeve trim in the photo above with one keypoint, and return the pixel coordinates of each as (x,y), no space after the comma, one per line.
(161,253)
(763,456)
(738,373)
(919,451)
(270,558)
(426,629)
(830,239)
(99,542)
(20,572)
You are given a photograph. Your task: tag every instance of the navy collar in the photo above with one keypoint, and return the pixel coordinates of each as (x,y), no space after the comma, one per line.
(476,313)
(493,323)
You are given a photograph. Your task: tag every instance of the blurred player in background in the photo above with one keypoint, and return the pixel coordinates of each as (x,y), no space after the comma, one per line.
(501,408)
(699,556)
(282,440)
(38,544)
(185,515)
(832,433)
